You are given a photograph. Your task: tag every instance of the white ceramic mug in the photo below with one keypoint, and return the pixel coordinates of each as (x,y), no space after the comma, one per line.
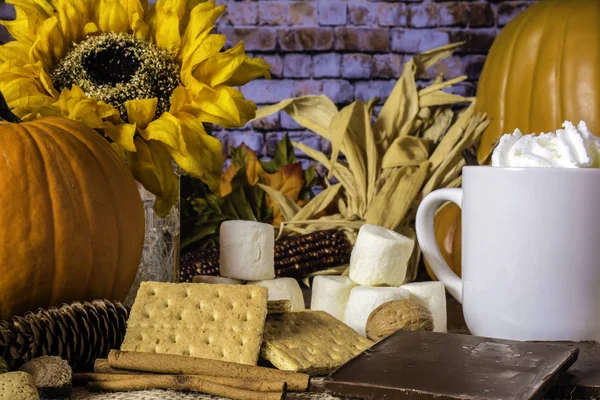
(530,251)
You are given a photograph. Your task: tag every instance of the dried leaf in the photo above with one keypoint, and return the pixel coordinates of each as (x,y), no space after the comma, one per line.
(318,204)
(284,155)
(375,214)
(455,183)
(289,181)
(354,147)
(338,129)
(451,137)
(401,195)
(288,207)
(405,151)
(374,158)
(413,261)
(427,59)
(242,157)
(441,123)
(442,98)
(441,84)
(342,173)
(400,108)
(471,134)
(312,112)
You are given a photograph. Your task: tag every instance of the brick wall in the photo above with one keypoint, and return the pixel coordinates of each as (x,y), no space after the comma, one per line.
(347,50)
(351,49)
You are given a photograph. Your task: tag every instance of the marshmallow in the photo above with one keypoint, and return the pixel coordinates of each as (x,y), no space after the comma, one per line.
(215,279)
(284,289)
(380,256)
(247,250)
(330,294)
(364,299)
(433,296)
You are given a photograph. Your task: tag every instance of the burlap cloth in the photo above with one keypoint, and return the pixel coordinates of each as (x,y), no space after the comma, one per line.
(82,394)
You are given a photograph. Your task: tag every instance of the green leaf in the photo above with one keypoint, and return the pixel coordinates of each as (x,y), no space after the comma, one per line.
(245,202)
(192,234)
(284,155)
(311,179)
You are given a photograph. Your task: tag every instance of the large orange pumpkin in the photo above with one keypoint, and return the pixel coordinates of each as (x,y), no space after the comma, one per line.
(543,69)
(448,231)
(71,220)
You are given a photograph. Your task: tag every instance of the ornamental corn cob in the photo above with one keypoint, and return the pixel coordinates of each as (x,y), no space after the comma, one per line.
(295,256)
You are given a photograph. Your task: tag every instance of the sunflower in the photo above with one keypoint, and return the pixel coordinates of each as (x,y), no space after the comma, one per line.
(147,78)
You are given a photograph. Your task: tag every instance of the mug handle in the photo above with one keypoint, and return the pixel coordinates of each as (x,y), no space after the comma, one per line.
(428,243)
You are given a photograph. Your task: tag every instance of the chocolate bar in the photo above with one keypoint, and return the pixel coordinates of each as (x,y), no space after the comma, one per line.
(582,380)
(425,365)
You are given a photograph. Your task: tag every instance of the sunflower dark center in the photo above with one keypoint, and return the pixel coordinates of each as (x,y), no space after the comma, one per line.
(116,68)
(110,66)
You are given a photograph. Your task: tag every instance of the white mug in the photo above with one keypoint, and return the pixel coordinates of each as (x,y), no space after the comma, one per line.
(530,251)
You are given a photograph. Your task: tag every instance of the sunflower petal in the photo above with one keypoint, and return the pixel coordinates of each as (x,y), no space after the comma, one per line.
(49,46)
(19,28)
(16,52)
(132,7)
(90,29)
(121,134)
(112,17)
(250,69)
(200,51)
(167,130)
(185,19)
(204,159)
(166,33)
(25,93)
(74,104)
(232,67)
(220,67)
(179,99)
(142,166)
(202,20)
(73,15)
(223,105)
(29,16)
(150,164)
(139,27)
(141,111)
(46,81)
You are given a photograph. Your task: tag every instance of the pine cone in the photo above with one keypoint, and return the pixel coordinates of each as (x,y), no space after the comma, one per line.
(295,256)
(78,332)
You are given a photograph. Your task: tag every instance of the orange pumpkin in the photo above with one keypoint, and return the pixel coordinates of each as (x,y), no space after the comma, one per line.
(543,69)
(447,226)
(72,221)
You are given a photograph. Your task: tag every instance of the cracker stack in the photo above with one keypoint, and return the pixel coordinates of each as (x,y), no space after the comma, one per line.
(212,321)
(313,342)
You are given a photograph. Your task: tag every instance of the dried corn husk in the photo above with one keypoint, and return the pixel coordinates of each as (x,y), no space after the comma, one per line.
(414,146)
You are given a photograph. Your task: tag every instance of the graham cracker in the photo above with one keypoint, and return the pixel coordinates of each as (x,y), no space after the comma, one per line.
(18,386)
(278,306)
(207,320)
(313,342)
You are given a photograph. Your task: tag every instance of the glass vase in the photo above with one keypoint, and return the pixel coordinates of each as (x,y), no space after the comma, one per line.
(160,257)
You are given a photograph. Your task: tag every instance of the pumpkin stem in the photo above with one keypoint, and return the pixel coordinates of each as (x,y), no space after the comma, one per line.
(5,112)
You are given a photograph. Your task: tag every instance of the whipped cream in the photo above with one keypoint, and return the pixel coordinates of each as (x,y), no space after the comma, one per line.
(571,147)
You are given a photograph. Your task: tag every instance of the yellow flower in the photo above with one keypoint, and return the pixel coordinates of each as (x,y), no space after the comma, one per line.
(145,77)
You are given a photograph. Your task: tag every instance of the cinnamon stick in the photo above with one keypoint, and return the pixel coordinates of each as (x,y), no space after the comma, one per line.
(182,383)
(186,365)
(102,366)
(247,384)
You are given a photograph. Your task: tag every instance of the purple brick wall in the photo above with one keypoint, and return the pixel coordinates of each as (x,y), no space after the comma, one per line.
(352,50)
(348,50)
